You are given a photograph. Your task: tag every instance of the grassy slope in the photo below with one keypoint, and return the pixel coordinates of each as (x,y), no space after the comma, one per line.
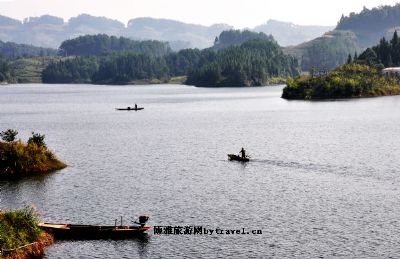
(29,70)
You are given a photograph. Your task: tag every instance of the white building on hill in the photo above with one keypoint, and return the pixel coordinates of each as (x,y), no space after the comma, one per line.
(391,71)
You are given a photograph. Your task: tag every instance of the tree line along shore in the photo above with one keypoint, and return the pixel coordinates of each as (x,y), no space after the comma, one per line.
(237,59)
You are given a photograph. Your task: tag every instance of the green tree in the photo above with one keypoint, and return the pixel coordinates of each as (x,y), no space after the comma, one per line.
(8,135)
(395,39)
(369,57)
(386,53)
(37,139)
(349,59)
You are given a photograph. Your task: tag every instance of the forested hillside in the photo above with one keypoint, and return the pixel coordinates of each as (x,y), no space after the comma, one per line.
(248,64)
(96,45)
(237,37)
(5,73)
(71,70)
(372,24)
(325,52)
(12,50)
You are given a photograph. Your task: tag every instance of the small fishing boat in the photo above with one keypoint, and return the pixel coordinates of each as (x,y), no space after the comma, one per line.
(130,109)
(233,157)
(88,232)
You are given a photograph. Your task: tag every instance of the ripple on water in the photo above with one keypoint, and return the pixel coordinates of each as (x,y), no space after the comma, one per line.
(323,182)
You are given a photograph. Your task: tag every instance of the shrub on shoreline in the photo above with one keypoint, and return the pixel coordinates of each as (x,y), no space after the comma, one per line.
(20,235)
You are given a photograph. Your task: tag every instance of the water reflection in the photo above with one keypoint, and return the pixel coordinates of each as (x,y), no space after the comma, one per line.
(140,243)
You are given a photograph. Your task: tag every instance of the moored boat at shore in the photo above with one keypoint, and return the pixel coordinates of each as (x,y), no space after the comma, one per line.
(87,232)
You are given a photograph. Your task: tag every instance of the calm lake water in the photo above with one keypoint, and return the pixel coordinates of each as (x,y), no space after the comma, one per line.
(325,180)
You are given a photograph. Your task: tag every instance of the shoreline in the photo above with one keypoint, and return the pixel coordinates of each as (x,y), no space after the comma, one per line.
(20,235)
(339,99)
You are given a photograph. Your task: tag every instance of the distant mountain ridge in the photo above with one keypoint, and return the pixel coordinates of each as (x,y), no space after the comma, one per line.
(288,34)
(51,31)
(195,36)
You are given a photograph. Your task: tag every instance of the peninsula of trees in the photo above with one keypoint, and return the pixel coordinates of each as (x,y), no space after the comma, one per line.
(361,77)
(346,81)
(20,159)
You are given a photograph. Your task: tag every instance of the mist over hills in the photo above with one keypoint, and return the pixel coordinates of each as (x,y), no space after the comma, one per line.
(354,33)
(287,33)
(184,34)
(51,31)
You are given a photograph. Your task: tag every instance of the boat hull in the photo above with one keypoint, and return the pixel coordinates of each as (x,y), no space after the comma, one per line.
(131,109)
(233,157)
(91,232)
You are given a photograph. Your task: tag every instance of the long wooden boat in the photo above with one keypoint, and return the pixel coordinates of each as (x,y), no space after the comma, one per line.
(86,232)
(233,157)
(130,109)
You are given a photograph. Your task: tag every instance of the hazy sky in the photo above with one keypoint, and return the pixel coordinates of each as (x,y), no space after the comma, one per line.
(239,13)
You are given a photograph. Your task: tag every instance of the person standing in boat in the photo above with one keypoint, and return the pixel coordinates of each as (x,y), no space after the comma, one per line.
(243,152)
(135,106)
